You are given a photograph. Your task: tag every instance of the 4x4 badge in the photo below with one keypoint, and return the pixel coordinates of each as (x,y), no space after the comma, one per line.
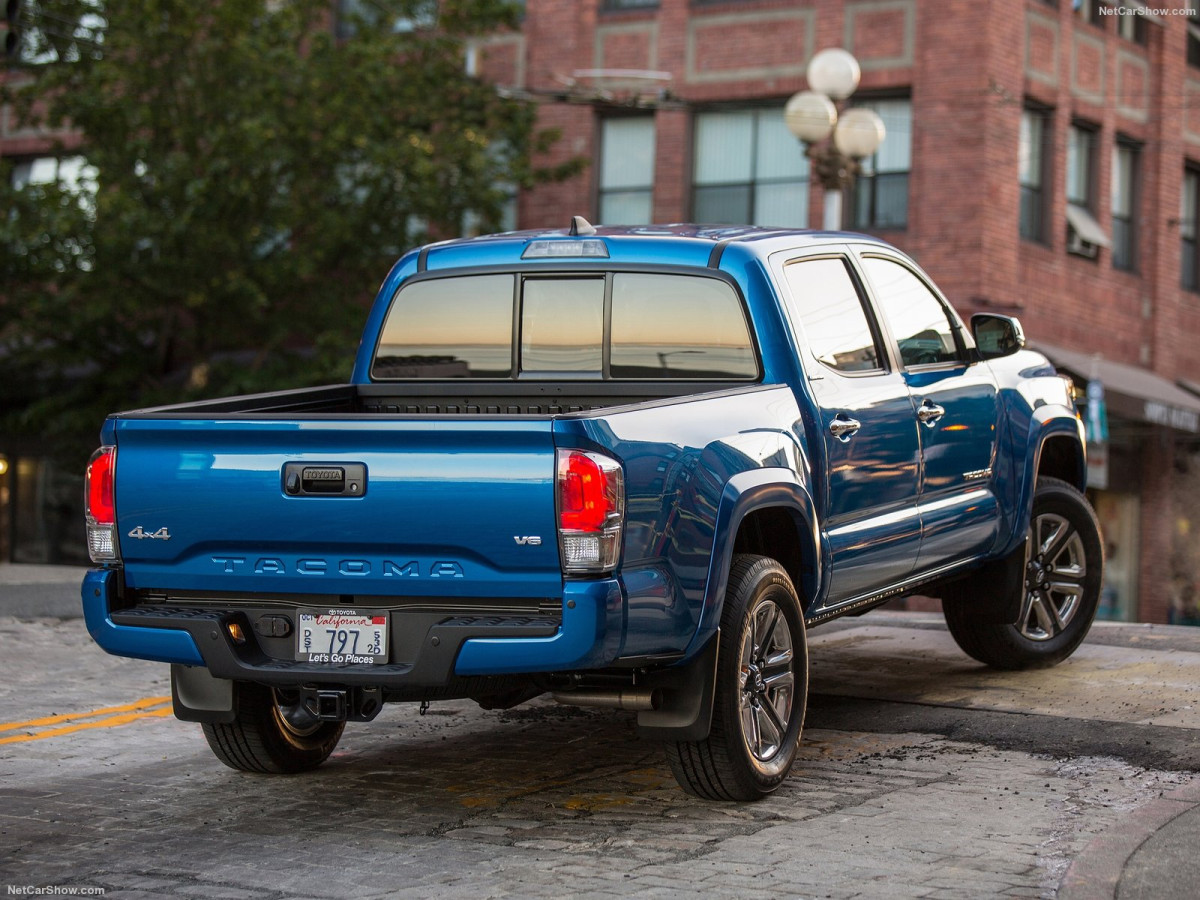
(141,534)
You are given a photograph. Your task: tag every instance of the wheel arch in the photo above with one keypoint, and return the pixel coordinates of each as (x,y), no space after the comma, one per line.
(1061,456)
(766,512)
(1055,449)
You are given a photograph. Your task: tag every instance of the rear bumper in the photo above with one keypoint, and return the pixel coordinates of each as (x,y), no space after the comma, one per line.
(588,637)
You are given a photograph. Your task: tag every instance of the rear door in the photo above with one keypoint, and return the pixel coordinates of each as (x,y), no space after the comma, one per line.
(867,424)
(956,406)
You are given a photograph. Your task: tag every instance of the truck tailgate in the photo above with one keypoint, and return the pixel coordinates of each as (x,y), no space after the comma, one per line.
(446,508)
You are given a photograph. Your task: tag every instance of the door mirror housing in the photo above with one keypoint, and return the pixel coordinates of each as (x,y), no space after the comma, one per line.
(996,336)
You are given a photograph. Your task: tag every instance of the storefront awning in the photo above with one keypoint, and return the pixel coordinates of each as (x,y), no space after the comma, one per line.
(1129,391)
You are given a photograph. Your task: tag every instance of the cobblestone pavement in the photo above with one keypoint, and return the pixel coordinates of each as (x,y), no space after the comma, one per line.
(540,801)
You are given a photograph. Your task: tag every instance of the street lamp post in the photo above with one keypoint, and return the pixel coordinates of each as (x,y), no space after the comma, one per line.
(834,143)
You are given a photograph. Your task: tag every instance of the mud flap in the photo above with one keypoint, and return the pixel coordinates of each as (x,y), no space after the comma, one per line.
(200,697)
(995,592)
(687,699)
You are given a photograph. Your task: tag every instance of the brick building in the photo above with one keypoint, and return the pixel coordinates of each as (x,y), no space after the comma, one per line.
(1042,160)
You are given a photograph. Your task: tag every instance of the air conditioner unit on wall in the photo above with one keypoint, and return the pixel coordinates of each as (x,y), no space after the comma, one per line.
(1080,247)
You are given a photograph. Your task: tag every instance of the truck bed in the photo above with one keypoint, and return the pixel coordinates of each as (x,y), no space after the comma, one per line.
(437,398)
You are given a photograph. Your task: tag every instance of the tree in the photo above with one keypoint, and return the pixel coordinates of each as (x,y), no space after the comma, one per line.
(255,177)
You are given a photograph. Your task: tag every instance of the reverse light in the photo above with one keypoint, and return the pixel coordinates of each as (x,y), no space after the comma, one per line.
(591,511)
(100,497)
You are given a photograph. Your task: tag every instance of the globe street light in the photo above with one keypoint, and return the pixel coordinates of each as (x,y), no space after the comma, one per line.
(835,145)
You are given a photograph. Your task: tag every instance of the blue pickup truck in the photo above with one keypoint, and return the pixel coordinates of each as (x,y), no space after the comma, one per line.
(626,467)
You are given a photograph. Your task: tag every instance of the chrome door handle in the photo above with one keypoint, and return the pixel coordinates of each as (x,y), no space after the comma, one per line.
(843,427)
(929,412)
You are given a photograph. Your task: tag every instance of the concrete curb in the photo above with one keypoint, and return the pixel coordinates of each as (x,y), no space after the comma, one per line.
(1096,873)
(35,592)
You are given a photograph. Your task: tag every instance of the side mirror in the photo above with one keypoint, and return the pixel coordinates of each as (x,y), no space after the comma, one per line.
(996,336)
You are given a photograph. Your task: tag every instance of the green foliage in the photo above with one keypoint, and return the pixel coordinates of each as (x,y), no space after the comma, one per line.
(256,177)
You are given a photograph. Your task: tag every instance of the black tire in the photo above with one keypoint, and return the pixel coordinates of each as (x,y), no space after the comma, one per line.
(1060,589)
(760,694)
(272,735)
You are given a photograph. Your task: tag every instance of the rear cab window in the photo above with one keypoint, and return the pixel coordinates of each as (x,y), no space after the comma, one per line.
(621,325)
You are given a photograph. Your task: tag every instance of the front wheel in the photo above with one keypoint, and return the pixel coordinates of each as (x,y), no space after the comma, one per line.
(761,690)
(272,733)
(1064,568)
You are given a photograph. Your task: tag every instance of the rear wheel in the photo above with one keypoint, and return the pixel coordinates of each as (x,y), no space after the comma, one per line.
(761,690)
(1064,565)
(272,733)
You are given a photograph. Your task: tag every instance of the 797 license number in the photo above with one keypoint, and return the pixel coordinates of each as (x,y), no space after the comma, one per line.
(341,637)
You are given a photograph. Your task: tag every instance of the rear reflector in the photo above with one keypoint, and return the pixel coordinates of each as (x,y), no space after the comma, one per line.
(100,496)
(591,511)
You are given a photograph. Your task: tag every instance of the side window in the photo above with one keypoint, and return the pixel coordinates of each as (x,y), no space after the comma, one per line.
(826,302)
(917,318)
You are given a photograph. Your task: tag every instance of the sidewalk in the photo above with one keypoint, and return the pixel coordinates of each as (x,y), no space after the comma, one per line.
(1151,857)
(1125,675)
(40,591)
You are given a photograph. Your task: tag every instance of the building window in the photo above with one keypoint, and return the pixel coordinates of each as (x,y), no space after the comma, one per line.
(35,36)
(626,185)
(1189,271)
(1032,174)
(1080,146)
(72,173)
(880,195)
(1193,33)
(1090,11)
(627,4)
(1084,235)
(749,169)
(1124,205)
(1131,25)
(355,14)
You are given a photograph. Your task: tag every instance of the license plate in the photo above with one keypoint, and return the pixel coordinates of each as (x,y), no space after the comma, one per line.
(341,637)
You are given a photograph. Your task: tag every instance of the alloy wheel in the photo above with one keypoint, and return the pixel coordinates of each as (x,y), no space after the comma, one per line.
(767,687)
(1054,578)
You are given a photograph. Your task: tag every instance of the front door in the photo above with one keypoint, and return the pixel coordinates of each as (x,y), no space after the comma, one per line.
(957,407)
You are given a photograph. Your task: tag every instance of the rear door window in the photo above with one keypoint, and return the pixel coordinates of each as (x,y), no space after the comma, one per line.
(826,301)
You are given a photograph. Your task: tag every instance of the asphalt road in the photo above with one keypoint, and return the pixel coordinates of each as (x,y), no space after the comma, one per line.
(921,775)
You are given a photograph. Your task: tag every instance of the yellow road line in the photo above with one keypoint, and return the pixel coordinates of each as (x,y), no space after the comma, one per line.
(66,717)
(109,722)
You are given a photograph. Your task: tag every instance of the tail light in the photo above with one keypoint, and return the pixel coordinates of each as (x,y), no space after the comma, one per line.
(591,511)
(100,495)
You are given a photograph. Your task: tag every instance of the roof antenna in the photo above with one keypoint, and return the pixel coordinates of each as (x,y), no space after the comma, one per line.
(581,226)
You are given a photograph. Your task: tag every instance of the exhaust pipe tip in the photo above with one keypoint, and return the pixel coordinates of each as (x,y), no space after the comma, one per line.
(634,700)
